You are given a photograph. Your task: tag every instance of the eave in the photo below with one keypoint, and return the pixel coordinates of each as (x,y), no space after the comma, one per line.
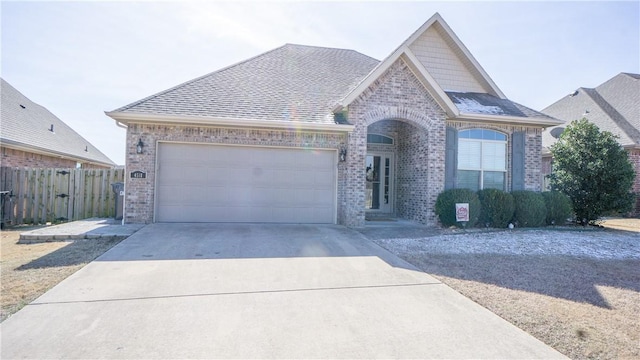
(127,118)
(9,144)
(512,120)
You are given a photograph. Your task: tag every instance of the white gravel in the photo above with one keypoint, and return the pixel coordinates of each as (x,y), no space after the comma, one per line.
(587,244)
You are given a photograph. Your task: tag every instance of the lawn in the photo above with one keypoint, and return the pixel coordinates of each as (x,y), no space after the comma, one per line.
(577,291)
(30,269)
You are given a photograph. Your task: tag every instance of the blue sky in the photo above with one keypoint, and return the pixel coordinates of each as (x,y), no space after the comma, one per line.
(80,59)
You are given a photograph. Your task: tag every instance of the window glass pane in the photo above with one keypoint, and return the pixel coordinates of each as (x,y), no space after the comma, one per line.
(379,139)
(469,155)
(493,180)
(482,134)
(469,179)
(475,134)
(494,156)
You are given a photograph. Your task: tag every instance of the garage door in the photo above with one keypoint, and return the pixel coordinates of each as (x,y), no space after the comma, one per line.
(212,183)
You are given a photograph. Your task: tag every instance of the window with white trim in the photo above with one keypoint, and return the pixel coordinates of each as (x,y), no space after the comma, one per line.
(482,159)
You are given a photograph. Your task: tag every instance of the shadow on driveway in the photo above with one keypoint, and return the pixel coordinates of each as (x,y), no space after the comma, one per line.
(240,241)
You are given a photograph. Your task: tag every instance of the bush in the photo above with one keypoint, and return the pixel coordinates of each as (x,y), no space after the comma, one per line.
(530,210)
(593,169)
(446,206)
(558,206)
(496,208)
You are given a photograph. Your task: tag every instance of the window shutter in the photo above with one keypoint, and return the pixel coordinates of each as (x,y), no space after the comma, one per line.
(517,164)
(451,158)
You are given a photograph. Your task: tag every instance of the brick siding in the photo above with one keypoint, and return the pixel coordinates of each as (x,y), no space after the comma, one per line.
(139,193)
(398,95)
(634,157)
(19,158)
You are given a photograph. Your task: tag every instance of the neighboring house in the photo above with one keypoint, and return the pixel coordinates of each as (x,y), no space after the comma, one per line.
(613,106)
(31,136)
(305,134)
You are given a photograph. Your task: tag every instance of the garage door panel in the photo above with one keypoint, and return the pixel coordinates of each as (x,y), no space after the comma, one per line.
(215,183)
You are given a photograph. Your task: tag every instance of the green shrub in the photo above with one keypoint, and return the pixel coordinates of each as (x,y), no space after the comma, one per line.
(496,208)
(530,210)
(558,206)
(446,206)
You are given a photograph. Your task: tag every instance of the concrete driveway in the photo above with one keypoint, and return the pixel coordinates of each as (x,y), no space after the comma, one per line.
(257,291)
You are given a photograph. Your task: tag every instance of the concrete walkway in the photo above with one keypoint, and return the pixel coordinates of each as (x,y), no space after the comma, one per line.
(257,291)
(93,228)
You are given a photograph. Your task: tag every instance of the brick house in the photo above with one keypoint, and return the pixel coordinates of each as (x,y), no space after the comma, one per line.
(612,106)
(304,134)
(31,136)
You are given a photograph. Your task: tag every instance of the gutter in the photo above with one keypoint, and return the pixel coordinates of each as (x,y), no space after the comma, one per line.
(508,119)
(127,118)
(47,152)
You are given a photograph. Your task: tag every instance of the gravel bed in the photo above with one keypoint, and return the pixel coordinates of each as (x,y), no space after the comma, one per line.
(589,244)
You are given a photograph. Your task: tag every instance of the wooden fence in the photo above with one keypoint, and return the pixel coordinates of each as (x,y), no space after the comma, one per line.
(40,196)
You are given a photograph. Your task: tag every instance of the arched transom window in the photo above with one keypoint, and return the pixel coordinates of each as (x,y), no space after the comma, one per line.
(482,159)
(379,139)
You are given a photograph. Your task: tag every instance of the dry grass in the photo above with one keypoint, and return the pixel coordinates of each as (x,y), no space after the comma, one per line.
(625,224)
(29,270)
(586,309)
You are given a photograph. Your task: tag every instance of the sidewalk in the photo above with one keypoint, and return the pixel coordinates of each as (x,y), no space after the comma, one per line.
(94,228)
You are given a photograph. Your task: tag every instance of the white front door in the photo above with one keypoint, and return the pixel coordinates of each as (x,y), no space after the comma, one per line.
(379,186)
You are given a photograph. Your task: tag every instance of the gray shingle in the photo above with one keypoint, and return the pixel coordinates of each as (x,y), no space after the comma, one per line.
(487,104)
(613,106)
(291,83)
(26,123)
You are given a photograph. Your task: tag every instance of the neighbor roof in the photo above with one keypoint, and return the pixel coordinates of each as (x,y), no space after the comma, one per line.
(613,106)
(289,83)
(27,126)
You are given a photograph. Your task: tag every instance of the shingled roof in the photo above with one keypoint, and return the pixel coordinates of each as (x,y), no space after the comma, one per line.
(27,125)
(613,106)
(487,104)
(289,83)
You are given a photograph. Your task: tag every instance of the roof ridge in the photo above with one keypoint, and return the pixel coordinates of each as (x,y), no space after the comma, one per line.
(617,118)
(633,75)
(135,103)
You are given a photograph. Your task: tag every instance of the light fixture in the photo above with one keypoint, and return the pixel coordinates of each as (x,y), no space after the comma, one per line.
(343,154)
(139,146)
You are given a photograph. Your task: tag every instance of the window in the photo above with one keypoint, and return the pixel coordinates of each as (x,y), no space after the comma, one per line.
(482,159)
(379,139)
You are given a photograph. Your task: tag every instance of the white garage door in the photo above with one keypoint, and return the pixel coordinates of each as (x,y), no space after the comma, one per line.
(213,183)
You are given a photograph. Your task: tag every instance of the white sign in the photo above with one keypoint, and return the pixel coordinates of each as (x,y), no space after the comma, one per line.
(462,212)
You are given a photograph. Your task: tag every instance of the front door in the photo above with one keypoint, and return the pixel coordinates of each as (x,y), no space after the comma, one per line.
(379,175)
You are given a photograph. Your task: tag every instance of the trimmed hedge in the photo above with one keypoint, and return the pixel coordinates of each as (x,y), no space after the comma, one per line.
(559,207)
(530,208)
(497,208)
(446,206)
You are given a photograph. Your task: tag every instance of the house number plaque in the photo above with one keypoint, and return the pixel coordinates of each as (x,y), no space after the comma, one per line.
(138,174)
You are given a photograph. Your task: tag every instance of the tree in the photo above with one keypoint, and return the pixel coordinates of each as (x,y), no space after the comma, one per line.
(593,170)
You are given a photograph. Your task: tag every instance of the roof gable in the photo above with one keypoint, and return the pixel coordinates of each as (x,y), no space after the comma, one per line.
(27,125)
(448,61)
(433,67)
